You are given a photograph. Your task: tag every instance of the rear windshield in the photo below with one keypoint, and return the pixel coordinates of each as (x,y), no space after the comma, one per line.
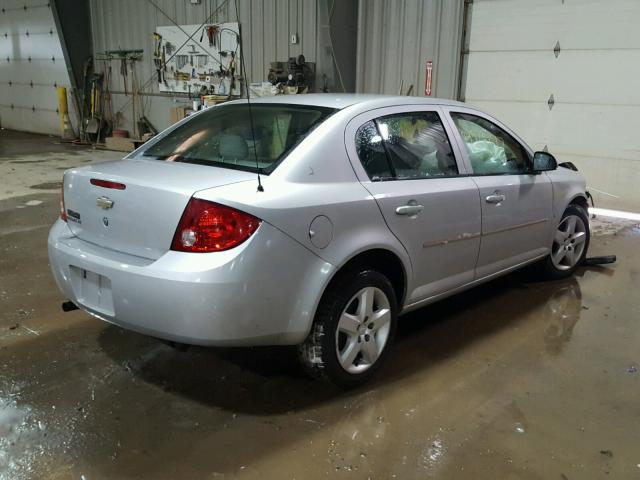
(223,137)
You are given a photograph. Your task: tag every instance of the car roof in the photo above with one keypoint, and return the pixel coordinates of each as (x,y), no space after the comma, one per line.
(343,100)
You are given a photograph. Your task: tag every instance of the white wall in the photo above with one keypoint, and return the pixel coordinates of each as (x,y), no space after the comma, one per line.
(32,90)
(511,70)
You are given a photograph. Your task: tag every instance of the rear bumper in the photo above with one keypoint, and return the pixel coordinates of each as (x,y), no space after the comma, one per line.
(263,292)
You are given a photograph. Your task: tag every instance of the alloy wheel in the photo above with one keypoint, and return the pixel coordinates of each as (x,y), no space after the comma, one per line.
(568,242)
(363,330)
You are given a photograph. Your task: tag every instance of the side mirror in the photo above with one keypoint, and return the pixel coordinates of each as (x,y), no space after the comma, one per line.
(544,162)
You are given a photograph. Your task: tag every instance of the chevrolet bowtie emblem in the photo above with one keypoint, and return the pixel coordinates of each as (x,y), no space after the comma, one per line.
(104,202)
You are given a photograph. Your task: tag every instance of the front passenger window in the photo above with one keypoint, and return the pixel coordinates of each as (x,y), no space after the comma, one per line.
(492,151)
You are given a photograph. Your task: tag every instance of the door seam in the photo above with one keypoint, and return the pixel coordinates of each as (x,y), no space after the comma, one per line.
(475,267)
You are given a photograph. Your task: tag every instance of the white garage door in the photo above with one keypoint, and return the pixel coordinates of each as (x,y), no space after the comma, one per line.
(593,118)
(31,67)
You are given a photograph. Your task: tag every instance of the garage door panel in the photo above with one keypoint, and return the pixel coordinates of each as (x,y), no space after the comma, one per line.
(21,94)
(599,129)
(614,186)
(524,25)
(39,43)
(24,119)
(579,129)
(529,119)
(38,72)
(583,77)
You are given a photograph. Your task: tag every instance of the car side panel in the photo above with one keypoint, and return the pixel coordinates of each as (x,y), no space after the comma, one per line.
(442,240)
(516,229)
(354,225)
(568,185)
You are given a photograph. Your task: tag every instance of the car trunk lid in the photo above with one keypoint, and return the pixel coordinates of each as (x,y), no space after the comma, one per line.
(138,213)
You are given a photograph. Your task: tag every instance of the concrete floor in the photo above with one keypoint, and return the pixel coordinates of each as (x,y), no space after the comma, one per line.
(512,380)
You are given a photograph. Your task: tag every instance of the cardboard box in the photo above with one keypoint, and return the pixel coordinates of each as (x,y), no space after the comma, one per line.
(121,144)
(211,100)
(178,113)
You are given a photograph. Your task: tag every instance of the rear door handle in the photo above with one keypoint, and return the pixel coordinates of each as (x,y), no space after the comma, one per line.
(495,198)
(409,210)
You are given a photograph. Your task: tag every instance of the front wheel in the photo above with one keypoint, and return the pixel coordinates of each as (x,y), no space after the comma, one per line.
(570,243)
(353,329)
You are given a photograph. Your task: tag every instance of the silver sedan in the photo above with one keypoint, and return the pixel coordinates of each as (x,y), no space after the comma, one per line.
(311,220)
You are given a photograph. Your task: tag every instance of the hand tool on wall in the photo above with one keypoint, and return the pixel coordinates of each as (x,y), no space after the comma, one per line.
(181,61)
(107,100)
(95,111)
(124,56)
(136,101)
(192,52)
(212,34)
(232,72)
(158,54)
(157,63)
(157,38)
(123,72)
(164,65)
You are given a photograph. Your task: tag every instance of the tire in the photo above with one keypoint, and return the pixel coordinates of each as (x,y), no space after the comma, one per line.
(570,244)
(348,343)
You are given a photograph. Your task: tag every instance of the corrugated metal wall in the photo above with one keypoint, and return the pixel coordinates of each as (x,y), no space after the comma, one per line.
(266,26)
(396,38)
(31,66)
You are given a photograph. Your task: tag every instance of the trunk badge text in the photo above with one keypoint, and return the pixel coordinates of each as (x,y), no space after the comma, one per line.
(105,221)
(104,202)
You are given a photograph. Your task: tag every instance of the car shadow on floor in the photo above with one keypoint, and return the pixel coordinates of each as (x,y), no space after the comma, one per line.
(268,380)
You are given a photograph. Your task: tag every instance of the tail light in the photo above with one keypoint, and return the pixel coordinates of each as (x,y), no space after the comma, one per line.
(211,227)
(63,211)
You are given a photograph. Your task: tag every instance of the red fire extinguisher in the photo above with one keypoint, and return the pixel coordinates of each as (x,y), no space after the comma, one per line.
(428,78)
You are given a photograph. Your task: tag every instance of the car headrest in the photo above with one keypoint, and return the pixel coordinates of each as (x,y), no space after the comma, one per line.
(233,146)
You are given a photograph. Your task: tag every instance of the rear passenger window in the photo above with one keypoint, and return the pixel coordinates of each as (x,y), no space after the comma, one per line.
(405,146)
(371,152)
(417,145)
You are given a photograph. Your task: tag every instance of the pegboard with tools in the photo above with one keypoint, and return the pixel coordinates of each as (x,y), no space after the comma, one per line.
(207,63)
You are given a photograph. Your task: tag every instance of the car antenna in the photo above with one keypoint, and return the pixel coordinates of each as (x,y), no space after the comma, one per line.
(246,86)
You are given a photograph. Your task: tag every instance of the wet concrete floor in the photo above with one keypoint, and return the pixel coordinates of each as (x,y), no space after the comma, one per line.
(516,379)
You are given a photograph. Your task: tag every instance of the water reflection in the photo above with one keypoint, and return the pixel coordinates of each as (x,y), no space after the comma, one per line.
(562,312)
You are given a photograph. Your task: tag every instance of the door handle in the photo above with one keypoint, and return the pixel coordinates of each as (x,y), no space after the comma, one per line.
(495,198)
(409,210)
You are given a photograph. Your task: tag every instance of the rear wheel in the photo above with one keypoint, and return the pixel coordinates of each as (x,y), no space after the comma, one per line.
(570,243)
(353,329)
